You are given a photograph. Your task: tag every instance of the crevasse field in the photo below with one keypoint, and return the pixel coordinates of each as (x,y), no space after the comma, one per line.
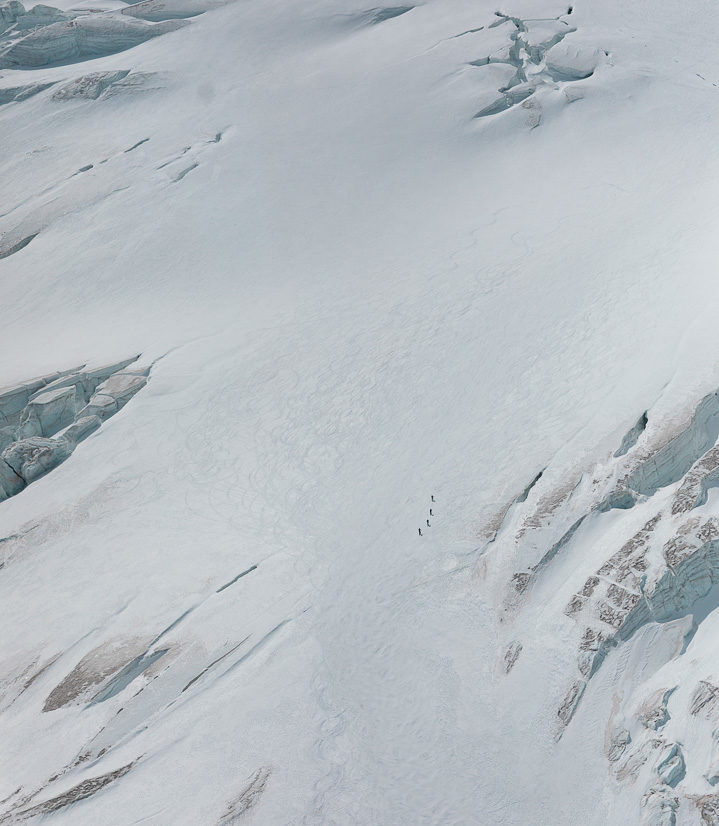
(277,278)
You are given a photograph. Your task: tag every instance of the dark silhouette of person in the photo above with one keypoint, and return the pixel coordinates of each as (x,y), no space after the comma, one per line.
(420,531)
(428,525)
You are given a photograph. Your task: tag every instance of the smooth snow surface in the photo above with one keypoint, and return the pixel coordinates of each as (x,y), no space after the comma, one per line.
(375,255)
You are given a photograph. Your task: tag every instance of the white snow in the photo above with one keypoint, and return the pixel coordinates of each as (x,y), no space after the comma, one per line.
(355,295)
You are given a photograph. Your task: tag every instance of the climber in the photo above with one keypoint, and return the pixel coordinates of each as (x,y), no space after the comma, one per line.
(420,531)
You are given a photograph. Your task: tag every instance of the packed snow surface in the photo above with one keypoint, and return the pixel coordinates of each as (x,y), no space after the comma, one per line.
(414,518)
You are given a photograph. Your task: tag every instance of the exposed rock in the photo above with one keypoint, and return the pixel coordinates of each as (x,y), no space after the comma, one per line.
(575,604)
(659,808)
(592,650)
(653,711)
(520,581)
(664,573)
(249,796)
(511,655)
(621,738)
(703,475)
(708,806)
(704,698)
(93,671)
(621,598)
(548,505)
(624,605)
(693,569)
(570,702)
(609,615)
(79,792)
(669,463)
(629,767)
(671,768)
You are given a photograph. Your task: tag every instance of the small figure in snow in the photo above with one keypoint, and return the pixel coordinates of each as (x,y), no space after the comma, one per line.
(428,525)
(430,512)
(432,497)
(420,531)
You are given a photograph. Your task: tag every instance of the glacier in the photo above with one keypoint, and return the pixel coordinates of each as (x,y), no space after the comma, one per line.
(369,474)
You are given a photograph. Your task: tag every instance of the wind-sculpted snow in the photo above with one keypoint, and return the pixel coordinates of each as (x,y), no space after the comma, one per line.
(44,420)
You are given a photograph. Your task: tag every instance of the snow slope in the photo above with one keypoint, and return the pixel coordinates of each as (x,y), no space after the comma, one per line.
(355,295)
